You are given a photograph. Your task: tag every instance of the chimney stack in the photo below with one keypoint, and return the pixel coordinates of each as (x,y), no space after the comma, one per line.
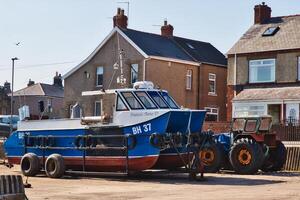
(30,83)
(6,87)
(262,12)
(120,19)
(167,29)
(57,80)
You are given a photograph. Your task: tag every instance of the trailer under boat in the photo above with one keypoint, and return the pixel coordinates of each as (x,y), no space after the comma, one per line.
(141,128)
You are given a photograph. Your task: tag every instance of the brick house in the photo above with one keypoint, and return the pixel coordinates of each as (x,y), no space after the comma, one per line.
(4,99)
(194,72)
(37,95)
(264,68)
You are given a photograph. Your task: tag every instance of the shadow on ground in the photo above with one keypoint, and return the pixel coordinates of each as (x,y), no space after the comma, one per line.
(175,178)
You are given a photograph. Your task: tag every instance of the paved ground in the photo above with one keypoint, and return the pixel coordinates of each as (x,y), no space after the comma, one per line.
(223,186)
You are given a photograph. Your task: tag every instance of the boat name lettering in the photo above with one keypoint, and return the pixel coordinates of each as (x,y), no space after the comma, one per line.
(140,129)
(21,134)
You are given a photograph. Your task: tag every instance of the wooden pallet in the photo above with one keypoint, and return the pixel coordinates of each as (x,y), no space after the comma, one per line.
(293,156)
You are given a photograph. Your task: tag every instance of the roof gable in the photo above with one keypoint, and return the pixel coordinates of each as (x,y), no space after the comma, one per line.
(287,37)
(41,89)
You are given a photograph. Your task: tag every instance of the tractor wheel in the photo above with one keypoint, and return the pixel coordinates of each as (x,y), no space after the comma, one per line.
(212,158)
(276,158)
(246,156)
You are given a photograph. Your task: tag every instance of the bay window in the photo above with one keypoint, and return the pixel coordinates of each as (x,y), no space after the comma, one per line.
(261,71)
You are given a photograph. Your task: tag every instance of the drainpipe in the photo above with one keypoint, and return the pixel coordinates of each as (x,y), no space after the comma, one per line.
(199,88)
(144,68)
(234,75)
(282,111)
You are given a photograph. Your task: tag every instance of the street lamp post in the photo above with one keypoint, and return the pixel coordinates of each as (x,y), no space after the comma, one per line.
(12,92)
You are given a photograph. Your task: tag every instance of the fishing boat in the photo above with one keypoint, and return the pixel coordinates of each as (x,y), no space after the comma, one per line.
(130,135)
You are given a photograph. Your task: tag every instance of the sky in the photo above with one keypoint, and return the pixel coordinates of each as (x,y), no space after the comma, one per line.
(55,35)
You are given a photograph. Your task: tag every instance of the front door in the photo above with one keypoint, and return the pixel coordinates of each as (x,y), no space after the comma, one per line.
(274,111)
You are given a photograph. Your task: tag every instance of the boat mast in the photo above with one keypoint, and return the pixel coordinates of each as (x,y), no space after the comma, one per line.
(121,80)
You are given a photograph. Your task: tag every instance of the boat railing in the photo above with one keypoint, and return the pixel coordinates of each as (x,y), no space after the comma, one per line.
(81,142)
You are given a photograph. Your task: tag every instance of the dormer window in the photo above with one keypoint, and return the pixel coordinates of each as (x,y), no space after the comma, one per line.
(271,31)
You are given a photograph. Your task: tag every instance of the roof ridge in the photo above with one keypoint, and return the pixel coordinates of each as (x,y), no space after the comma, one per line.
(295,15)
(156,34)
(41,88)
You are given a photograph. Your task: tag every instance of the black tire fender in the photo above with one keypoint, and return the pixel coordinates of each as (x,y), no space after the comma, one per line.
(157,140)
(131,141)
(78,141)
(30,164)
(177,138)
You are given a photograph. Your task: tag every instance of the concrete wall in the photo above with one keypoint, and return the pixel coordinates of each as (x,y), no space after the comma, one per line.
(171,76)
(218,100)
(32,102)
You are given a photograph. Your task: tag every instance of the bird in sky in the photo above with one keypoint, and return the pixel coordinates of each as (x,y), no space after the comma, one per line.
(18,43)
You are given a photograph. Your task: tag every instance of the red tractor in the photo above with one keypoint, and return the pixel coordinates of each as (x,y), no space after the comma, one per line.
(249,146)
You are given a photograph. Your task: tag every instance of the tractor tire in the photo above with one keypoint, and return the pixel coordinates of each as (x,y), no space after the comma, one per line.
(55,166)
(246,156)
(30,164)
(212,158)
(276,159)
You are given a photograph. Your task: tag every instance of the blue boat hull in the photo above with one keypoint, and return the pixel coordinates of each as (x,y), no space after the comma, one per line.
(143,156)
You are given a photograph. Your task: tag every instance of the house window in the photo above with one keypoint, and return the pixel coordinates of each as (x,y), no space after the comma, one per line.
(212,114)
(249,110)
(189,74)
(261,71)
(134,73)
(299,68)
(212,83)
(99,76)
(98,108)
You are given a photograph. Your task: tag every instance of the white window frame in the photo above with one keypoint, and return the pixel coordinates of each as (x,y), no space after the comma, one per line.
(247,109)
(210,111)
(96,106)
(273,70)
(98,74)
(212,77)
(132,70)
(298,68)
(189,79)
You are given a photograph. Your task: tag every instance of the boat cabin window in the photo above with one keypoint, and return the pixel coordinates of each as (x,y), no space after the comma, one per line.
(144,98)
(131,100)
(169,100)
(158,100)
(121,105)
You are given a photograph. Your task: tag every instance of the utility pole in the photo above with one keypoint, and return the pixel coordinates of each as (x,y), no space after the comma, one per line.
(12,93)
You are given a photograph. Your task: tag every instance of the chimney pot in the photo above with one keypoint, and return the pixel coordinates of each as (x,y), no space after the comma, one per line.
(167,29)
(120,19)
(30,83)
